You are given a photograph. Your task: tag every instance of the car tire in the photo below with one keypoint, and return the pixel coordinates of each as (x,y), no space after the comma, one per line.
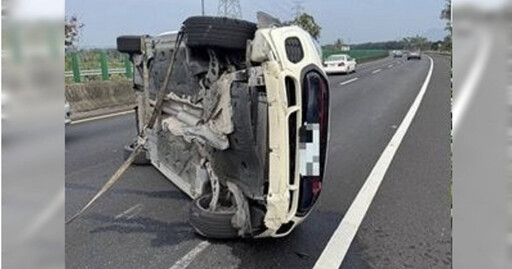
(218,32)
(140,159)
(212,224)
(129,44)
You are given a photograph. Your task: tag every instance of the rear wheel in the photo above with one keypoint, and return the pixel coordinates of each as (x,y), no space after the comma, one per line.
(213,224)
(218,32)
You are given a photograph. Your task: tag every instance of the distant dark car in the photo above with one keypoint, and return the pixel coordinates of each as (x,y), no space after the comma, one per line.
(414,55)
(398,54)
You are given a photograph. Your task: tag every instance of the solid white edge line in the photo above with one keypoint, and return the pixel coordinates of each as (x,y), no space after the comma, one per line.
(338,245)
(45,215)
(376,71)
(185,261)
(103,117)
(348,81)
(470,85)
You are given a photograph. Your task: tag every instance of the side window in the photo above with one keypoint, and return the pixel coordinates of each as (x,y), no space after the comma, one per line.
(294,51)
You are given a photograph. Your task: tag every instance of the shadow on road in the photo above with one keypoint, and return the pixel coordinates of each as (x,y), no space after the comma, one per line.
(165,233)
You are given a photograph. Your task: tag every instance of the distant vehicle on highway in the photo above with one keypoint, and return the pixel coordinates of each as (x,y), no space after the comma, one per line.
(67,113)
(6,101)
(339,63)
(397,54)
(415,54)
(222,136)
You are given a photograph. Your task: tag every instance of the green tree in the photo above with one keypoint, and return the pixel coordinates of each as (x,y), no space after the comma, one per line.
(446,14)
(416,42)
(308,23)
(338,44)
(72,28)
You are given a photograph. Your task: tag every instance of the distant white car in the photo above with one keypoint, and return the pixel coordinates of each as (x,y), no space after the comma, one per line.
(67,113)
(415,54)
(339,63)
(398,54)
(6,100)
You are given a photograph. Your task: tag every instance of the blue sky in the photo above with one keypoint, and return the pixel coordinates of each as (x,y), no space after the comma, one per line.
(354,21)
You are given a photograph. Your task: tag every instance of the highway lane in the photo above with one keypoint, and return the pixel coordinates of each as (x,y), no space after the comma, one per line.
(142,223)
(408,224)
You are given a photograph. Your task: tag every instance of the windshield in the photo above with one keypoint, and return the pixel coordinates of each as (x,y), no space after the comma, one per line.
(336,58)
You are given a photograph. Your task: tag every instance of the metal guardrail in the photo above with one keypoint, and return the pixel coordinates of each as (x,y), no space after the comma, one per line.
(96,72)
(446,53)
(104,71)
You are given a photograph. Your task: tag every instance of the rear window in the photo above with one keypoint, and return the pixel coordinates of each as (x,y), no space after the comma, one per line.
(336,58)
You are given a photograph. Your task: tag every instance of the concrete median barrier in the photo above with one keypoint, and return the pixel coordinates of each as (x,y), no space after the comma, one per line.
(99,98)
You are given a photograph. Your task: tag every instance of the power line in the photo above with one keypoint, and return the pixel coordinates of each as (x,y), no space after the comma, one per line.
(299,8)
(230,9)
(278,10)
(286,9)
(260,7)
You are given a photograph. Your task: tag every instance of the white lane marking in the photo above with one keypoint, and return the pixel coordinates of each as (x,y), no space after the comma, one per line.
(338,245)
(103,117)
(124,213)
(376,71)
(389,66)
(189,257)
(348,81)
(469,87)
(45,215)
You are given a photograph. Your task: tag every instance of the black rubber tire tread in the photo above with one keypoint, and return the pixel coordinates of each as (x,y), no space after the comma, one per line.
(129,44)
(218,32)
(216,225)
(140,159)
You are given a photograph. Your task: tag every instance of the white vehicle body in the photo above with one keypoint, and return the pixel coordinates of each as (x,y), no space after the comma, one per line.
(339,63)
(276,69)
(282,60)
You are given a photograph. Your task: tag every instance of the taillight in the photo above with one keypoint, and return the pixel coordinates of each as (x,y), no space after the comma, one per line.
(341,64)
(316,186)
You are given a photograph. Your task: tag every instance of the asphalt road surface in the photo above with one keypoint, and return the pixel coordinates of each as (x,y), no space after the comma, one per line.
(142,223)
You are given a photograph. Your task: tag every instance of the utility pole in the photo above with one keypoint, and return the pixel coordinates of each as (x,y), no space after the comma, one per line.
(202,7)
(230,9)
